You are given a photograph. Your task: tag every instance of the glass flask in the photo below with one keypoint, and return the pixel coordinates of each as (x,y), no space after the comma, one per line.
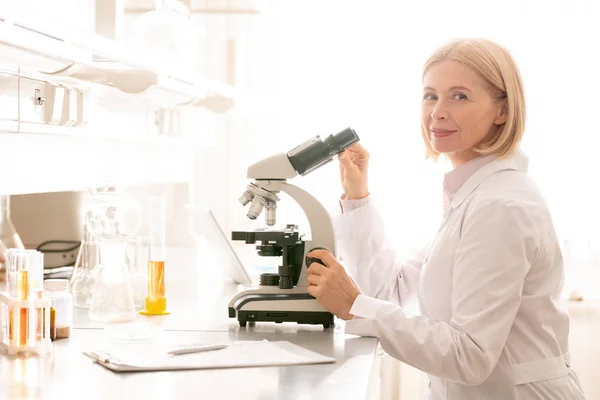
(168,39)
(112,218)
(9,238)
(136,248)
(83,279)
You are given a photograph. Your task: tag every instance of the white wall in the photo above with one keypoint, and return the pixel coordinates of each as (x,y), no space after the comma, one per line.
(332,64)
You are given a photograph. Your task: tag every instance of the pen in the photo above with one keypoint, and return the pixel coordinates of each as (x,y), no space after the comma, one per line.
(197,349)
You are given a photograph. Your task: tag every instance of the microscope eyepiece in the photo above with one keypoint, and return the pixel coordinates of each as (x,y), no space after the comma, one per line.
(315,152)
(341,141)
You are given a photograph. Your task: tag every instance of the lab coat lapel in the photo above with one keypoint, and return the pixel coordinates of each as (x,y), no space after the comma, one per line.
(518,162)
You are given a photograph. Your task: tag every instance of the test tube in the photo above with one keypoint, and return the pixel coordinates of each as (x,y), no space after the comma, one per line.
(156,301)
(17,266)
(35,260)
(25,270)
(12,270)
(18,288)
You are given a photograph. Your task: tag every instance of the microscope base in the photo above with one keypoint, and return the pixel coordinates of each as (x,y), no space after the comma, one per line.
(300,317)
(279,305)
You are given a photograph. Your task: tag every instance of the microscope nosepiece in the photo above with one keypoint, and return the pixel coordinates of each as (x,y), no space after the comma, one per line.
(259,198)
(315,152)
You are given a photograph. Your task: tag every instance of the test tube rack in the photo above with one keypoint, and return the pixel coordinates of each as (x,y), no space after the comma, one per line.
(30,334)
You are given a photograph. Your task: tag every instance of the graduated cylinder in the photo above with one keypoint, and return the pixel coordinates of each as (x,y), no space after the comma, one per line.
(156,301)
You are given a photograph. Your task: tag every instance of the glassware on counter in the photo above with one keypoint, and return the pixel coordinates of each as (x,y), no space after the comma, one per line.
(136,248)
(112,218)
(156,302)
(9,238)
(25,312)
(57,290)
(83,279)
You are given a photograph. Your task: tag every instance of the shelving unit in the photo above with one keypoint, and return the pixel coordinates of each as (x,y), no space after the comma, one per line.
(92,60)
(43,153)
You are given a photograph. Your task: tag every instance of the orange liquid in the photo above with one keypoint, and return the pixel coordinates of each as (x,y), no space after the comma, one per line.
(156,278)
(24,327)
(11,326)
(23,286)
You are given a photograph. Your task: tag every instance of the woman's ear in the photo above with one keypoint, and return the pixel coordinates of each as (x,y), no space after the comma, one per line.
(502,113)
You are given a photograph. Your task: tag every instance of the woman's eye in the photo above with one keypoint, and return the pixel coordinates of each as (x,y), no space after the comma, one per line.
(430,96)
(460,96)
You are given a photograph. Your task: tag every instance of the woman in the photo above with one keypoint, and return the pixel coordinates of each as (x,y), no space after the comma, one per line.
(489,283)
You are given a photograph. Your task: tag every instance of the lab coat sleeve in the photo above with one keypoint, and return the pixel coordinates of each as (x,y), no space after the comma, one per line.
(498,244)
(369,257)
(349,205)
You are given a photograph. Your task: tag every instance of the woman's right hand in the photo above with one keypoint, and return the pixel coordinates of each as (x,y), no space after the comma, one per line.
(354,165)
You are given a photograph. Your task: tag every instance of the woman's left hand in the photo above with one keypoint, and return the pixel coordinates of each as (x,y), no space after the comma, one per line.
(331,285)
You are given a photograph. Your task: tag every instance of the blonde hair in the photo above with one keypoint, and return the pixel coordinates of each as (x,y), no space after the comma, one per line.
(494,64)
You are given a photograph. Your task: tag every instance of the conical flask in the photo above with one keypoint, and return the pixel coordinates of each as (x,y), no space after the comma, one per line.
(112,218)
(83,278)
(112,297)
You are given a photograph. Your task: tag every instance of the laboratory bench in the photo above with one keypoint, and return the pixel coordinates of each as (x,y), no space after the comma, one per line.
(197,299)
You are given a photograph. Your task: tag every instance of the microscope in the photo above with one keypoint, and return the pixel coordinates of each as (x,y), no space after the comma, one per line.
(283,296)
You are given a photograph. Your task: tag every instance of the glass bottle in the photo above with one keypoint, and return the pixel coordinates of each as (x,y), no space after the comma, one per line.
(113,217)
(83,278)
(9,238)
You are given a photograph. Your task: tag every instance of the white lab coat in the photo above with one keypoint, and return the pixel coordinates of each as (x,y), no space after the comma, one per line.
(488,287)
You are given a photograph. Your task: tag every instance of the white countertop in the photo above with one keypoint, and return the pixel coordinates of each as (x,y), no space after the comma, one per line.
(197,298)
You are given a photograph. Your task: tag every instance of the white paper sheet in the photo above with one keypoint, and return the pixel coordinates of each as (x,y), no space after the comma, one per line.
(238,354)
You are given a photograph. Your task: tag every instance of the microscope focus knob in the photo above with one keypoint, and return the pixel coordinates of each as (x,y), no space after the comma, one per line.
(310,260)
(269,279)
(286,276)
(286,282)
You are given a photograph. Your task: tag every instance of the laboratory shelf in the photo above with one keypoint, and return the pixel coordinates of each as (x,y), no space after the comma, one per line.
(41,52)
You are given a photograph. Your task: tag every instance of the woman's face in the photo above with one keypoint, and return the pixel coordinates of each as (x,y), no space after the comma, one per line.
(458,111)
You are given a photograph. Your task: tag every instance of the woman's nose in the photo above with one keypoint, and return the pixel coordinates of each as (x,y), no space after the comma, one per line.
(439,111)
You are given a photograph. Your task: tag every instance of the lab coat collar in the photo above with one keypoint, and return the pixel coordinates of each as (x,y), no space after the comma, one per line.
(517,162)
(456,178)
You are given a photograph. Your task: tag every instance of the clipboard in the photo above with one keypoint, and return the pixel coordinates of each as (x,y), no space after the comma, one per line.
(242,354)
